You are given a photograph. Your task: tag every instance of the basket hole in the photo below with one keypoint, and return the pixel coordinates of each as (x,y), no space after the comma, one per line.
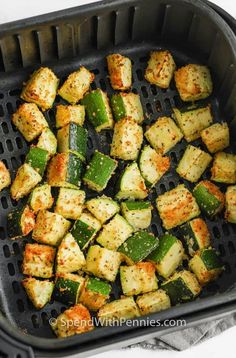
(63,309)
(158,106)
(177,101)
(35,321)
(153,90)
(9,145)
(103,84)
(154,229)
(222,250)
(173,157)
(11,269)
(4,202)
(134,90)
(144,91)
(10,108)
(16,248)
(149,108)
(1,148)
(93,86)
(225,230)
(5,128)
(216,232)
(19,264)
(231,248)
(139,74)
(90,143)
(162,188)
(227,267)
(16,287)
(143,59)
(167,104)
(19,143)
(54,313)
(1,95)
(20,305)
(96,71)
(44,317)
(1,111)
(15,92)
(109,137)
(22,158)
(14,163)
(6,251)
(171,185)
(2,233)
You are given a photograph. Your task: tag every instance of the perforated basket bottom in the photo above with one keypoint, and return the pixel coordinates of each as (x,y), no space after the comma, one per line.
(156,102)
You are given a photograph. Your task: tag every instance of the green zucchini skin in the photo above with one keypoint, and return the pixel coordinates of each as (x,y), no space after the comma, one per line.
(75,169)
(82,233)
(66,290)
(37,158)
(97,285)
(15,222)
(118,107)
(165,243)
(73,138)
(208,202)
(177,291)
(211,259)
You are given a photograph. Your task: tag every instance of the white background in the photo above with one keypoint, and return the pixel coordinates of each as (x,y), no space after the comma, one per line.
(217,347)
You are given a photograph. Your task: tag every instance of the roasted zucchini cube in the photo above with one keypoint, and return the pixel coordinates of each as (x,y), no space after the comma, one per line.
(65,170)
(193,121)
(50,228)
(95,293)
(224,168)
(103,208)
(153,302)
(41,88)
(38,260)
(131,184)
(26,179)
(181,287)
(69,256)
(38,291)
(74,320)
(20,222)
(41,198)
(230,204)
(127,139)
(114,233)
(196,235)
(5,178)
(160,68)
(138,246)
(176,207)
(152,165)
(122,309)
(137,213)
(76,85)
(209,198)
(99,171)
(69,203)
(68,287)
(168,255)
(120,71)
(103,263)
(127,105)
(216,137)
(163,135)
(72,138)
(69,114)
(47,141)
(139,278)
(193,82)
(37,158)
(29,121)
(98,109)
(193,163)
(206,265)
(84,229)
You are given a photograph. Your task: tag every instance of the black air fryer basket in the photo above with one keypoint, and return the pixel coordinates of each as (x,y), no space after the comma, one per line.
(65,40)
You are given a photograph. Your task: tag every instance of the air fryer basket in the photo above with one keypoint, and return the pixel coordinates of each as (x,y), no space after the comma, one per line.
(65,40)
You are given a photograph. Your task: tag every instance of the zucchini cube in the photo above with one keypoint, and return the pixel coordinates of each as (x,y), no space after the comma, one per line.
(127,105)
(160,68)
(163,135)
(224,168)
(103,208)
(230,204)
(69,114)
(193,82)
(99,171)
(153,302)
(84,229)
(68,287)
(192,122)
(95,293)
(114,233)
(196,235)
(209,198)
(50,228)
(65,170)
(152,165)
(181,287)
(122,309)
(5,178)
(120,71)
(38,291)
(38,260)
(103,263)
(74,320)
(72,138)
(206,265)
(41,198)
(193,163)
(69,203)
(69,256)
(176,207)
(137,213)
(98,109)
(47,141)
(168,255)
(25,180)
(76,85)
(139,278)
(29,121)
(20,222)
(138,246)
(37,158)
(216,137)
(131,184)
(41,88)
